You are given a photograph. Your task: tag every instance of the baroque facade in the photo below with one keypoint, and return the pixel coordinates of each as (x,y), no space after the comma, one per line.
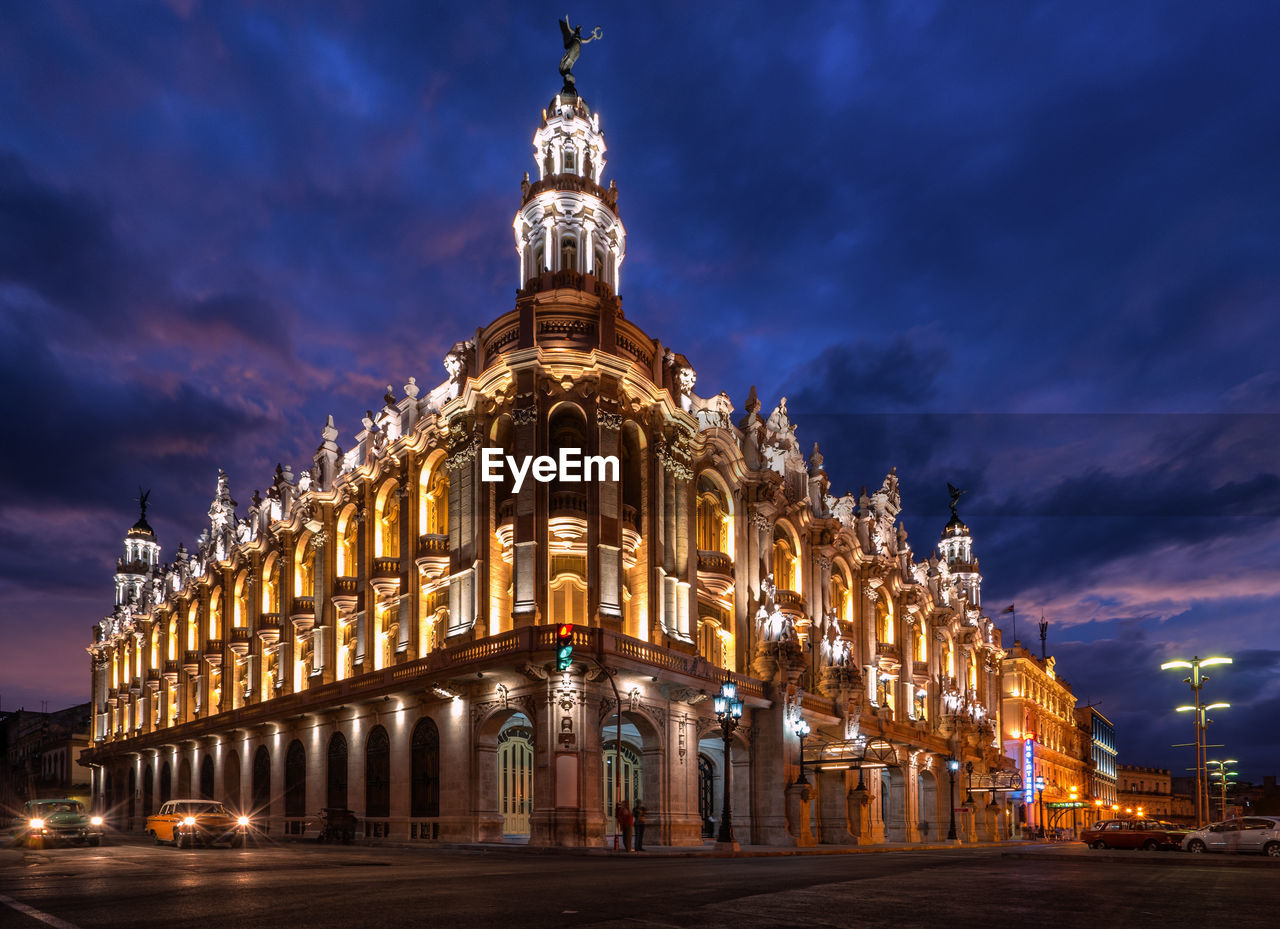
(376,631)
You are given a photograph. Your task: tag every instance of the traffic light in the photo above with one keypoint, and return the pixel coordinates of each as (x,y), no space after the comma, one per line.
(564,646)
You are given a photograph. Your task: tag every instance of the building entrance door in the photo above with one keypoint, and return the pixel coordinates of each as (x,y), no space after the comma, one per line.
(630,780)
(515,774)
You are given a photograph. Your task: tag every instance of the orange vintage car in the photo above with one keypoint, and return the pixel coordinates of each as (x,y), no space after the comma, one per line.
(196,822)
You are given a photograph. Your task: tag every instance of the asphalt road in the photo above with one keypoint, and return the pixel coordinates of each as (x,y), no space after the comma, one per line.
(290,887)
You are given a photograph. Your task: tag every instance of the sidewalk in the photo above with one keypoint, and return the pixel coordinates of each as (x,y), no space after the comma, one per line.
(709,850)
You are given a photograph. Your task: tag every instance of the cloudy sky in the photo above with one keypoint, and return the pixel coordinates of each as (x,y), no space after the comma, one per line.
(1027,248)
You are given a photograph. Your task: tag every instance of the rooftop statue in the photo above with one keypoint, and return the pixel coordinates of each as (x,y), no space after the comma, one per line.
(956,493)
(573,42)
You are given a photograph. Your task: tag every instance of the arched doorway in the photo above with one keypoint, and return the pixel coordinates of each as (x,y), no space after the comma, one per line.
(927,806)
(262,785)
(515,775)
(629,784)
(893,796)
(206,778)
(295,787)
(335,789)
(166,783)
(711,747)
(184,779)
(424,773)
(706,794)
(231,782)
(148,789)
(377,781)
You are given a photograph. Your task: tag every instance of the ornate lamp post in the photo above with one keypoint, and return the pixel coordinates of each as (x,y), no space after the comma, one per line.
(728,711)
(953,765)
(800,726)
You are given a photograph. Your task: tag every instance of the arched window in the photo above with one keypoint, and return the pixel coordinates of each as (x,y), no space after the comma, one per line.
(919,648)
(425,769)
(433,501)
(601,265)
(568,253)
(206,778)
(295,780)
(193,627)
(262,782)
(388,540)
(304,581)
(377,774)
(154,657)
(570,159)
(270,587)
(172,636)
(347,540)
(784,561)
(713,520)
(568,594)
(240,612)
(215,614)
(884,622)
(336,773)
(539,261)
(838,592)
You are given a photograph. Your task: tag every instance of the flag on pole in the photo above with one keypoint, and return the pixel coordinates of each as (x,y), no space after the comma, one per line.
(1008,609)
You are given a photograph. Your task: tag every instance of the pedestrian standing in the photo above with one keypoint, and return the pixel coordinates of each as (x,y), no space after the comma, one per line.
(639,814)
(625,822)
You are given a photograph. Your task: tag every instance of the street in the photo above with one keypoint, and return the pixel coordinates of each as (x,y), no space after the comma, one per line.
(140,885)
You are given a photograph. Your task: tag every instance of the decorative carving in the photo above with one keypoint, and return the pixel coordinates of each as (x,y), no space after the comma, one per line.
(609,421)
(524,415)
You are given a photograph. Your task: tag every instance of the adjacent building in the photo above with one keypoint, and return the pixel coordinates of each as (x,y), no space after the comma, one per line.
(1040,731)
(1099,746)
(376,630)
(41,753)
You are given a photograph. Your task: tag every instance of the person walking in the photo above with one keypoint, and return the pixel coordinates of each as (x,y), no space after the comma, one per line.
(625,821)
(639,814)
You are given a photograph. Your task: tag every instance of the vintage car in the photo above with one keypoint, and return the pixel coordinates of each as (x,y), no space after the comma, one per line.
(1146,834)
(196,822)
(61,820)
(1256,834)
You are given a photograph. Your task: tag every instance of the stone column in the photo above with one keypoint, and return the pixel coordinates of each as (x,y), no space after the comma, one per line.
(799,818)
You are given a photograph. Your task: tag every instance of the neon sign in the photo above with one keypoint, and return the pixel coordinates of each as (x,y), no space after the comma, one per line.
(1028,753)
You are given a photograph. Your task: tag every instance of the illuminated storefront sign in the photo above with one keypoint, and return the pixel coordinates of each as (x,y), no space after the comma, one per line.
(1028,754)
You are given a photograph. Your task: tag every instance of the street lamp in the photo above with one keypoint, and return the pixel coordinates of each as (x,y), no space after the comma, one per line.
(1040,795)
(953,765)
(800,726)
(968,790)
(1224,779)
(1197,681)
(728,711)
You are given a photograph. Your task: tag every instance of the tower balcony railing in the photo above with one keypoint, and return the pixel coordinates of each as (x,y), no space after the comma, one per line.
(386,567)
(303,606)
(566,279)
(573,182)
(346,586)
(568,503)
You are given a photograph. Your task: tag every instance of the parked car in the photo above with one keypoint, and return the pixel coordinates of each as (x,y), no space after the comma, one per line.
(196,822)
(63,819)
(1258,834)
(1146,834)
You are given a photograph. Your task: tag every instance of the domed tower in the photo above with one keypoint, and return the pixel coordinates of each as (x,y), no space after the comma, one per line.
(567,231)
(141,557)
(956,548)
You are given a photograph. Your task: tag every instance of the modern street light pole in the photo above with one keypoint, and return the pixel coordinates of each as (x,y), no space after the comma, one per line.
(1224,779)
(1197,680)
(1202,750)
(953,765)
(1040,796)
(728,711)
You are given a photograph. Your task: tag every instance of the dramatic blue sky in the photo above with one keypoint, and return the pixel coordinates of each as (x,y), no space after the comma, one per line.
(1027,248)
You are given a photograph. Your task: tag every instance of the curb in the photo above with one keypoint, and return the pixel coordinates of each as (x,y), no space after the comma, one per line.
(1152,859)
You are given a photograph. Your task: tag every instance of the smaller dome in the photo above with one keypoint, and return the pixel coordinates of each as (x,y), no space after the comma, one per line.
(141,529)
(955,527)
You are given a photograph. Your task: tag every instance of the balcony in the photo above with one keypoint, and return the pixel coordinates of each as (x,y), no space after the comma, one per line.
(384,568)
(920,668)
(631,517)
(269,627)
(191,660)
(171,669)
(302,612)
(153,676)
(346,586)
(507,511)
(887,650)
(239,640)
(789,602)
(433,543)
(213,651)
(715,562)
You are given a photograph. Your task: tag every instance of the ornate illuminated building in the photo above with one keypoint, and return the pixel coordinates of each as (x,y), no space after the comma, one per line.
(376,631)
(1041,732)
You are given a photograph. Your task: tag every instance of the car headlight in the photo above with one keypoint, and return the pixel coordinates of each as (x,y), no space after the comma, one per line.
(96,820)
(243,820)
(37,824)
(188,820)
